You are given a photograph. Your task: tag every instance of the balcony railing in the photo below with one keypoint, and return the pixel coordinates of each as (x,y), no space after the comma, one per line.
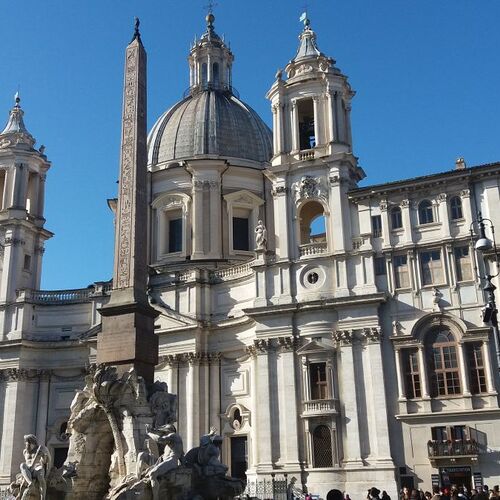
(74,296)
(306,154)
(454,449)
(320,407)
(313,248)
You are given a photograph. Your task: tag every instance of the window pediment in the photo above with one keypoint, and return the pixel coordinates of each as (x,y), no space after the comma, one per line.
(168,201)
(245,198)
(316,347)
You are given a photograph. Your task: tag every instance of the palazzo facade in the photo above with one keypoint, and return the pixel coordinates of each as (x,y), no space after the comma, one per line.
(347,351)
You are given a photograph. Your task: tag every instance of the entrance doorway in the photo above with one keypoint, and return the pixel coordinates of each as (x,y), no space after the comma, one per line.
(239,457)
(460,476)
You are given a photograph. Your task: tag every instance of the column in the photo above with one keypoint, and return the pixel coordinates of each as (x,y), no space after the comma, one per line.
(342,136)
(306,384)
(444,217)
(490,376)
(331,130)
(352,450)
(464,372)
(214,394)
(399,371)
(281,128)
(295,128)
(385,223)
(41,195)
(348,122)
(466,206)
(192,403)
(281,222)
(43,406)
(34,191)
(275,129)
(317,121)
(338,216)
(20,186)
(215,225)
(263,408)
(209,69)
(197,218)
(422,366)
(405,214)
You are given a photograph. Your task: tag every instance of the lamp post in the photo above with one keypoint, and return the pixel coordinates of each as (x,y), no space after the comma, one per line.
(482,246)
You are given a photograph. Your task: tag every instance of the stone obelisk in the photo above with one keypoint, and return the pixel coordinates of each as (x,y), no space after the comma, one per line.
(128,339)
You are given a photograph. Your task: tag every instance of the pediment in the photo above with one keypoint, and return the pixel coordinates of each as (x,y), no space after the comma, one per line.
(244,197)
(316,346)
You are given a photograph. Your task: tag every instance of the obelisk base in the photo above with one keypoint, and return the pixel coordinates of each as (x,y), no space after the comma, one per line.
(127,339)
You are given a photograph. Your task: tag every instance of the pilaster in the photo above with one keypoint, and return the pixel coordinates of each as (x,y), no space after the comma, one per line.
(289,410)
(349,396)
(262,409)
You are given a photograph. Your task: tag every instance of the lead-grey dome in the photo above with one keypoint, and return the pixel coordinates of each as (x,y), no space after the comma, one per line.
(213,123)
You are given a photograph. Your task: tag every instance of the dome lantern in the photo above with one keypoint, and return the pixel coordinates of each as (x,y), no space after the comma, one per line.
(210,61)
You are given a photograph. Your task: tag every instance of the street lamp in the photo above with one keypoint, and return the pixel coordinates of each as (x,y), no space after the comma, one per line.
(482,246)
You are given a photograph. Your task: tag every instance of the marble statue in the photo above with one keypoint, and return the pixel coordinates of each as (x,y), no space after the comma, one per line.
(32,483)
(173,454)
(146,458)
(260,236)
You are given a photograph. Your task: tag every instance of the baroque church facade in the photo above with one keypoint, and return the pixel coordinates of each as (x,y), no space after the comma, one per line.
(330,332)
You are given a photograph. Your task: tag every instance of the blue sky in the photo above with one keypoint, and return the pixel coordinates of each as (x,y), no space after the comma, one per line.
(426,72)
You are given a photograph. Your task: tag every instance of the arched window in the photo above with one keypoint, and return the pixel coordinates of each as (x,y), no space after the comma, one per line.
(425,213)
(204,74)
(444,373)
(456,208)
(216,73)
(322,447)
(396,218)
(312,223)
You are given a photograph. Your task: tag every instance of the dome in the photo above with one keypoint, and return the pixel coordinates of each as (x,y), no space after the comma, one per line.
(211,122)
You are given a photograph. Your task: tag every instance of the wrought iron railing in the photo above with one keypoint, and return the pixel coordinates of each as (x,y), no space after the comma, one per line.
(455,448)
(266,488)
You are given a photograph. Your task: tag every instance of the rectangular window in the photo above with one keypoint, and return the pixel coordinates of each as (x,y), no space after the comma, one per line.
(319,386)
(439,433)
(396,218)
(175,235)
(380,269)
(27,262)
(476,367)
(240,234)
(463,264)
(376,226)
(432,268)
(401,273)
(412,373)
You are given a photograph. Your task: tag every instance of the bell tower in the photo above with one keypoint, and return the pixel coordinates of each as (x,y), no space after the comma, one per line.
(312,145)
(23,171)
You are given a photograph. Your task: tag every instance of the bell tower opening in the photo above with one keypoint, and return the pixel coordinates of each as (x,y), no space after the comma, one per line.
(307,136)
(312,223)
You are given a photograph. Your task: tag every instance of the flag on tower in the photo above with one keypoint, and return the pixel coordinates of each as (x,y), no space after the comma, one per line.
(303,17)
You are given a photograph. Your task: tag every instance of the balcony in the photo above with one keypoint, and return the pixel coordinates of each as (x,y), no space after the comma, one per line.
(451,451)
(318,407)
(317,248)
